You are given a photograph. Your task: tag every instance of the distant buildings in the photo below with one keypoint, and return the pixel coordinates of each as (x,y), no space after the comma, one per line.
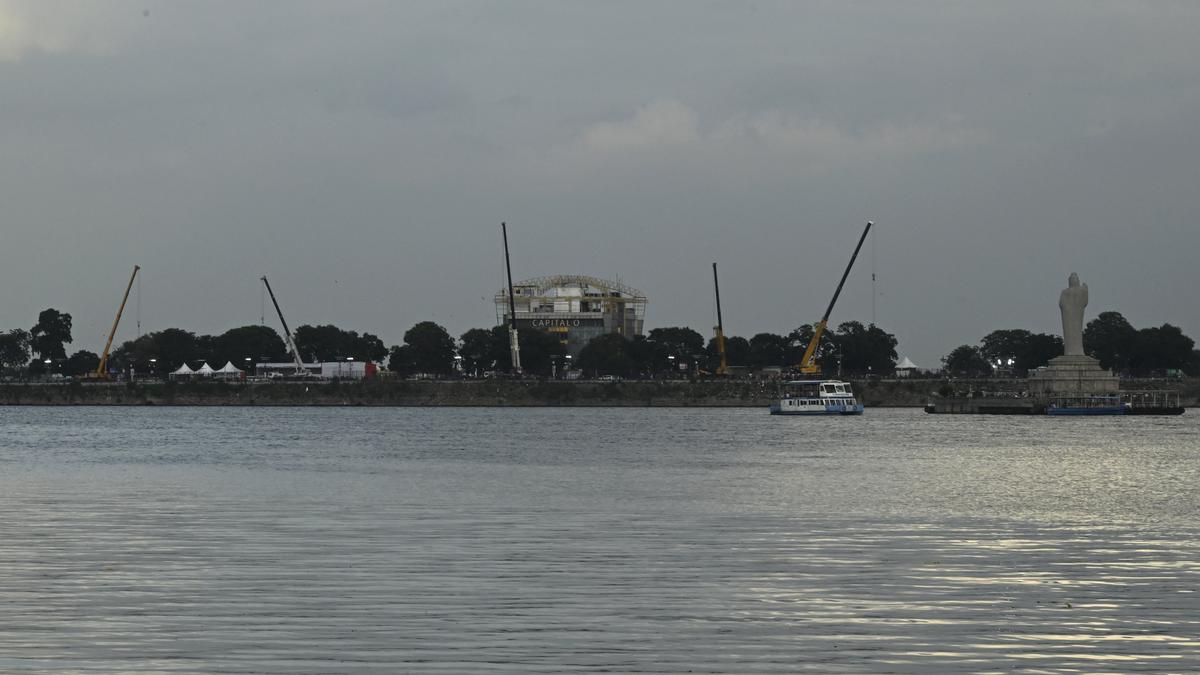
(575,308)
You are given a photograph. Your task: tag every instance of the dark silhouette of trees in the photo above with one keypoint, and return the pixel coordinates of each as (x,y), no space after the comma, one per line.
(1027,350)
(476,351)
(768,349)
(1160,349)
(737,353)
(330,343)
(1110,339)
(427,348)
(681,342)
(50,333)
(14,349)
(80,363)
(966,361)
(861,349)
(258,343)
(607,354)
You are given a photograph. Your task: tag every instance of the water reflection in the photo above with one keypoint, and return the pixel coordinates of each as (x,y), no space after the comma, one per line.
(703,541)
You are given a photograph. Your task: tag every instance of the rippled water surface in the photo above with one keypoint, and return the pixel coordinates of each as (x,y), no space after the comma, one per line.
(321,540)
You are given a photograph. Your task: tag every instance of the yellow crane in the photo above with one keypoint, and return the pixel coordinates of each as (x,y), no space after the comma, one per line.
(808,364)
(102,369)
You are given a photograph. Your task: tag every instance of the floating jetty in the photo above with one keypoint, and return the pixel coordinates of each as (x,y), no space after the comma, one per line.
(1128,403)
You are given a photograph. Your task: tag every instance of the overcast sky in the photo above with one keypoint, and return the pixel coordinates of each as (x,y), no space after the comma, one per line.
(362,155)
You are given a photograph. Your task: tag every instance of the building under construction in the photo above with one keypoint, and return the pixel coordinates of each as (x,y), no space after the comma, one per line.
(575,308)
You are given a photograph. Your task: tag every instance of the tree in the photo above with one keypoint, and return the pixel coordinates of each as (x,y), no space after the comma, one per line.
(862,350)
(1040,348)
(330,343)
(1027,350)
(768,349)
(427,348)
(681,342)
(258,343)
(50,333)
(737,352)
(607,354)
(539,350)
(798,341)
(966,361)
(1162,348)
(161,352)
(476,351)
(14,349)
(1111,339)
(81,363)
(1002,345)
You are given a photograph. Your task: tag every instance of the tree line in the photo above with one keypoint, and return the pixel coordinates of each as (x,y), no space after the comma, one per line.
(851,348)
(1109,338)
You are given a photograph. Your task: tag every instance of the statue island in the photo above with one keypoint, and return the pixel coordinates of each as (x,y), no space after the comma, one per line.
(1074,374)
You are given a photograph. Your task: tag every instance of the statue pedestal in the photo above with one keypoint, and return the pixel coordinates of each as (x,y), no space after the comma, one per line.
(1072,376)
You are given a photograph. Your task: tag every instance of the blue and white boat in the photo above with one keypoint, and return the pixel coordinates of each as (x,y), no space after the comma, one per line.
(1087,405)
(817,397)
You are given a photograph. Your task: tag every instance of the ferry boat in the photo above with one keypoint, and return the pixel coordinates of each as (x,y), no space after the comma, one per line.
(1087,405)
(817,397)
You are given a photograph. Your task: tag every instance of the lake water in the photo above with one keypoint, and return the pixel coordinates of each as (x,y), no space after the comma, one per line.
(318,540)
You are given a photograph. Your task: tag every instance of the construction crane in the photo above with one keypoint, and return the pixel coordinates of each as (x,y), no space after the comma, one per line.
(102,369)
(287,334)
(513,347)
(723,367)
(808,364)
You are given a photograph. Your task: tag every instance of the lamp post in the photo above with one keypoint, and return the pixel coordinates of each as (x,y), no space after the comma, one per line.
(153,367)
(671,374)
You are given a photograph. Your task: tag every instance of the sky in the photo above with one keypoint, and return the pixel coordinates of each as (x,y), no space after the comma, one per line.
(362,155)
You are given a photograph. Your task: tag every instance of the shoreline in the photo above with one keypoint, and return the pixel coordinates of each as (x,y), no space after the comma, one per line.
(505,393)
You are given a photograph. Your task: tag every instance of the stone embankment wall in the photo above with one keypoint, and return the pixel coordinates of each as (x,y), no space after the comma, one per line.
(747,393)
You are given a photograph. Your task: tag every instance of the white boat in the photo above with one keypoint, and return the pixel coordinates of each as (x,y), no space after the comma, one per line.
(817,397)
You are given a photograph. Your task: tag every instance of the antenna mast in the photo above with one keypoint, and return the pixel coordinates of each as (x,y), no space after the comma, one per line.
(513,346)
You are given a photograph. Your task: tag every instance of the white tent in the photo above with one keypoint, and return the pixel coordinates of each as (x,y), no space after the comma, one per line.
(229,371)
(205,370)
(183,370)
(906,367)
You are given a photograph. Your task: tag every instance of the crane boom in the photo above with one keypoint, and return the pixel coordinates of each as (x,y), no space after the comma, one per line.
(287,333)
(807,364)
(513,345)
(101,370)
(723,367)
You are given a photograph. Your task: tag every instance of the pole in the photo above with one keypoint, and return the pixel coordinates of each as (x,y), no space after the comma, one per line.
(723,367)
(513,345)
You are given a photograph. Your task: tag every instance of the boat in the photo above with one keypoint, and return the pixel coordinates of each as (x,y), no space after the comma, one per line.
(817,397)
(1087,405)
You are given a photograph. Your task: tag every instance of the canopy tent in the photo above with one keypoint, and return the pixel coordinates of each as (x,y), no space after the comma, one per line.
(182,371)
(906,367)
(230,369)
(205,370)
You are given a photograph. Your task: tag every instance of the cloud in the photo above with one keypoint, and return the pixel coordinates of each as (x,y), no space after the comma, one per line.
(666,124)
(40,27)
(659,123)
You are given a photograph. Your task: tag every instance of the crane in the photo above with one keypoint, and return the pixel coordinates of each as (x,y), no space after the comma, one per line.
(808,364)
(287,334)
(102,368)
(723,367)
(513,346)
